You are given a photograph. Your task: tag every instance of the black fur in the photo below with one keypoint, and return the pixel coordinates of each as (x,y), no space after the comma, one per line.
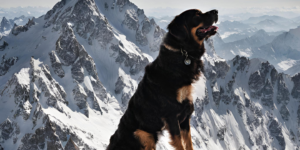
(155,99)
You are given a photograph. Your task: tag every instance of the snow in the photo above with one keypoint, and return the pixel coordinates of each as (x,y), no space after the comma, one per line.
(226,34)
(285,65)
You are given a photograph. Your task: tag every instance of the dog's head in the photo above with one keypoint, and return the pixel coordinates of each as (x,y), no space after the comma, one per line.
(193,26)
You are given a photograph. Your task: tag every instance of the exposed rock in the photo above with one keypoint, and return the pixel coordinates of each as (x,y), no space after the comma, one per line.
(214,69)
(37,114)
(44,136)
(2,47)
(6,129)
(6,64)
(5,25)
(18,29)
(221,133)
(241,108)
(125,98)
(49,87)
(296,89)
(256,83)
(241,62)
(56,65)
(119,86)
(283,94)
(275,130)
(298,115)
(80,98)
(122,3)
(146,25)
(100,90)
(274,75)
(95,105)
(78,72)
(67,47)
(258,140)
(285,114)
(24,109)
(131,20)
(216,94)
(136,62)
(85,19)
(247,100)
(267,92)
(141,38)
(57,6)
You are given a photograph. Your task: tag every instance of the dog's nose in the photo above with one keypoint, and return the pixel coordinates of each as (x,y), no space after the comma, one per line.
(214,11)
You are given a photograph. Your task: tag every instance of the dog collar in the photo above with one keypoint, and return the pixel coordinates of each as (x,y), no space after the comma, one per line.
(187,60)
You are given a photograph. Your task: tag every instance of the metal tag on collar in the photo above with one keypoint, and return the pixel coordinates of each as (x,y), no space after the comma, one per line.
(187,61)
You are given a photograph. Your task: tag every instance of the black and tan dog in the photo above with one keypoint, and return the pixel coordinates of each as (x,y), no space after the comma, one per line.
(163,98)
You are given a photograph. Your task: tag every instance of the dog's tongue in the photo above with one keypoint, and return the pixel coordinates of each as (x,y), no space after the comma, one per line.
(214,28)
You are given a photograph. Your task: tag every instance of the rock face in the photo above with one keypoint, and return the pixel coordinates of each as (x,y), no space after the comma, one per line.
(5,25)
(56,64)
(18,29)
(3,46)
(296,88)
(6,64)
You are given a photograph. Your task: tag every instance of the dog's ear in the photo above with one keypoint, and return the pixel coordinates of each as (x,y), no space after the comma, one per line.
(177,28)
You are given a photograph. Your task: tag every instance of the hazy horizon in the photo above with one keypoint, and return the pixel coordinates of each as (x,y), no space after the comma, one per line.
(157,8)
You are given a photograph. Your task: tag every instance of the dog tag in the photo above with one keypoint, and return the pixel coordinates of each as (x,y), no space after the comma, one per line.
(187,61)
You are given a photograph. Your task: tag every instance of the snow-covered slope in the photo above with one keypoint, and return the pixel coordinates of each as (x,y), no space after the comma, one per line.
(66,78)
(244,46)
(262,45)
(293,68)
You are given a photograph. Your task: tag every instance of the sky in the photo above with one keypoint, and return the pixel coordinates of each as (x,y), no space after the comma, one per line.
(163,6)
(148,4)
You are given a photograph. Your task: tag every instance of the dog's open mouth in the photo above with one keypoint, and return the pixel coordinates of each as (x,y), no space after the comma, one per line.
(204,30)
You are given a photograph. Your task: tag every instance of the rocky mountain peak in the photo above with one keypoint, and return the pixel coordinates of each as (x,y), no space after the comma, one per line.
(5,25)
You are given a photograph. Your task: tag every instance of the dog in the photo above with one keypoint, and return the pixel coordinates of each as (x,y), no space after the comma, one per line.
(163,99)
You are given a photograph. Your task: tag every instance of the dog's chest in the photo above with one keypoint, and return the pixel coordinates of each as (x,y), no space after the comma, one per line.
(184,93)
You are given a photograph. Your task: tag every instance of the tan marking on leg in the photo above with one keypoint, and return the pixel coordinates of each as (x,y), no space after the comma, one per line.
(185,93)
(187,140)
(146,139)
(193,32)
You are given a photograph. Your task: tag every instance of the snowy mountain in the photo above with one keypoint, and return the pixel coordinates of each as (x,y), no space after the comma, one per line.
(163,22)
(79,62)
(6,25)
(271,23)
(66,78)
(244,46)
(277,19)
(262,45)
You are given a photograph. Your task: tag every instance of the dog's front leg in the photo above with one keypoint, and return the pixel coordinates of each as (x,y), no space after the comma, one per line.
(186,133)
(172,125)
